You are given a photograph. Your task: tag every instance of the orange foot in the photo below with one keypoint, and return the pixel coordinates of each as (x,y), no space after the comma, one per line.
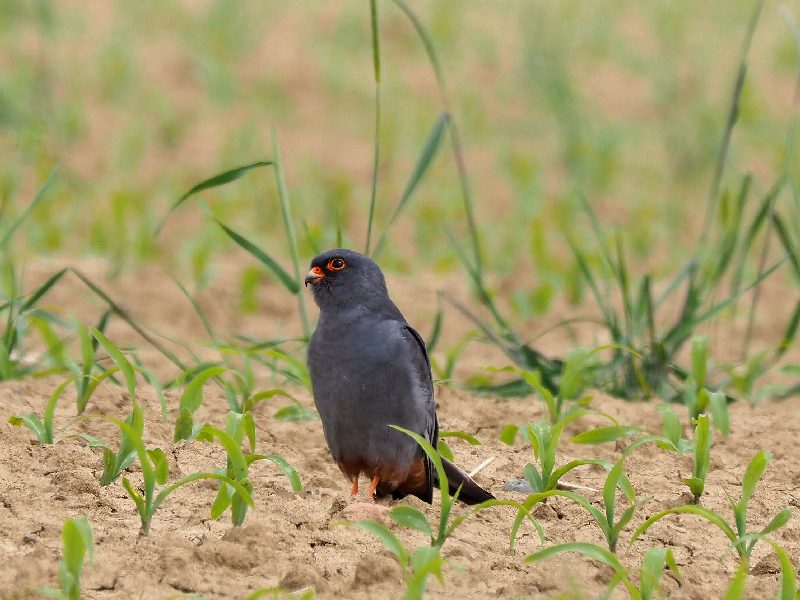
(373,487)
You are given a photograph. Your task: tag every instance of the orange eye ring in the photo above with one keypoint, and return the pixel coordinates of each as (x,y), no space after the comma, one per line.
(336,264)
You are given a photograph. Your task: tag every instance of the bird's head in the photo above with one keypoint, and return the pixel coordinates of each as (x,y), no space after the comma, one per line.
(344,278)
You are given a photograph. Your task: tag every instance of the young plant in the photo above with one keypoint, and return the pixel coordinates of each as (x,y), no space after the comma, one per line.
(427,560)
(78,542)
(697,397)
(43,428)
(543,475)
(788,590)
(19,313)
(740,538)
(607,519)
(654,563)
(155,471)
(238,463)
(702,457)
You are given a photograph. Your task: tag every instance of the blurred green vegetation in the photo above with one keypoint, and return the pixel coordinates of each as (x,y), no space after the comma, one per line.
(624,101)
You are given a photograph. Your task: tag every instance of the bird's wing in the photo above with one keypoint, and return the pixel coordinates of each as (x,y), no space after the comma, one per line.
(422,366)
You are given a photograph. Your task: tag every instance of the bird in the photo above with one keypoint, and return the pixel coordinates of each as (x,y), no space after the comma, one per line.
(369,369)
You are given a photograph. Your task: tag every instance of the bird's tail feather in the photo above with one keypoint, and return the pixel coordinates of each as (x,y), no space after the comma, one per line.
(471,492)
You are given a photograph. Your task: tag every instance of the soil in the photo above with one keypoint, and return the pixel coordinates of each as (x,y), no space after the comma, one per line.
(294,541)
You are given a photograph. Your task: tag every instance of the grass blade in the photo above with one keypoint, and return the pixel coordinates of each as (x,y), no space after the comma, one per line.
(4,241)
(211,182)
(426,157)
(289,282)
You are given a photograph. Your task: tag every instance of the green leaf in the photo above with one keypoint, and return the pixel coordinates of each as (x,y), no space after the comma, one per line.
(239,503)
(445,450)
(778,521)
(387,538)
(121,361)
(412,518)
(235,455)
(603,435)
(287,280)
(74,550)
(509,434)
(788,589)
(702,455)
(700,511)
(283,465)
(699,359)
(424,161)
(295,412)
(752,475)
(736,588)
(462,435)
(4,241)
(221,502)
(34,423)
(696,485)
(160,465)
(211,182)
(192,397)
(671,424)
(183,425)
(591,551)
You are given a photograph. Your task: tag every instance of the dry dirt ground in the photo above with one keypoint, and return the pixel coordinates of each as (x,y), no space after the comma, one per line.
(296,540)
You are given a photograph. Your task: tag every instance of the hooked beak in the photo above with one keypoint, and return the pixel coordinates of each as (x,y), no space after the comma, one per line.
(314,276)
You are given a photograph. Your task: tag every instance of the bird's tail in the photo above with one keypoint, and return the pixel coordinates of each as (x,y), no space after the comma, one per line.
(471,492)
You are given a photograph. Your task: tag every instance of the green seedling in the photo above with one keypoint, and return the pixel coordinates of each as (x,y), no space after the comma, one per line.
(697,397)
(427,560)
(650,574)
(191,400)
(607,519)
(737,533)
(238,464)
(702,457)
(543,475)
(78,542)
(673,430)
(789,584)
(19,313)
(155,472)
(43,428)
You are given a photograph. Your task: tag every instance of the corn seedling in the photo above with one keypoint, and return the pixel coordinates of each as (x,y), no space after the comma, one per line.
(427,560)
(654,563)
(43,428)
(737,533)
(78,542)
(155,471)
(697,397)
(19,314)
(543,475)
(788,589)
(238,463)
(607,519)
(702,457)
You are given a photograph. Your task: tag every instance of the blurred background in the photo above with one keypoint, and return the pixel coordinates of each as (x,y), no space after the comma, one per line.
(622,102)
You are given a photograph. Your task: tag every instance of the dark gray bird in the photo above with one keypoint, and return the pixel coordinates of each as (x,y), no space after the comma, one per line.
(370,369)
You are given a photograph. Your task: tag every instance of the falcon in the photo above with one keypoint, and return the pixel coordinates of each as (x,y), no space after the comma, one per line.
(369,369)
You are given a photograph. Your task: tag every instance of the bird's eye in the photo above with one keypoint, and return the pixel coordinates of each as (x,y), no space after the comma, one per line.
(337,264)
